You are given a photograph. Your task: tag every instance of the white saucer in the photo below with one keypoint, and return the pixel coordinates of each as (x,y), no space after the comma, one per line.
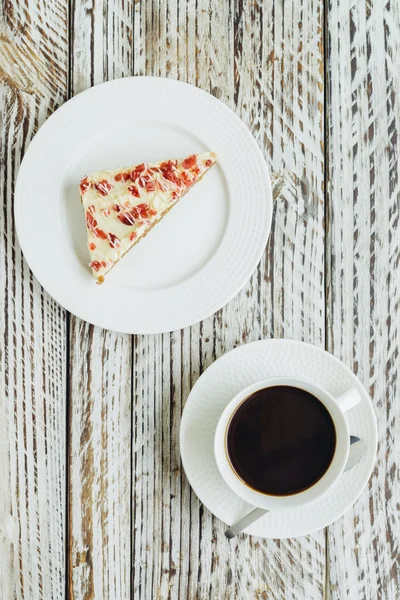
(221,382)
(198,257)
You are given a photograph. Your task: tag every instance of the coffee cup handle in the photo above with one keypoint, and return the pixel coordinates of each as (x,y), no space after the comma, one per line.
(349,399)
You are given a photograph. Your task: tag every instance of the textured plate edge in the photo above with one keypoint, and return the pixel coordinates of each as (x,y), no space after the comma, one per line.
(288,341)
(111,326)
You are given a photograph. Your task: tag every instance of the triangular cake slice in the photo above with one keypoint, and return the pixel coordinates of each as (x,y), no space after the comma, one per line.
(121,206)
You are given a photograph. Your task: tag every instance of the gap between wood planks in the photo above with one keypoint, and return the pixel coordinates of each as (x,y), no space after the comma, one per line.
(327,245)
(68,568)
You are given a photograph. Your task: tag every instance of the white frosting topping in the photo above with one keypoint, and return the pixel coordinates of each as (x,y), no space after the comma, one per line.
(123,204)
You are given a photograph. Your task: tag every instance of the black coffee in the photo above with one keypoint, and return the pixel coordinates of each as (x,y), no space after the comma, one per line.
(281,440)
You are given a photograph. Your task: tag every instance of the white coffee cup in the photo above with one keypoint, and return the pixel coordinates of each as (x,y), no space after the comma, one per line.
(337,408)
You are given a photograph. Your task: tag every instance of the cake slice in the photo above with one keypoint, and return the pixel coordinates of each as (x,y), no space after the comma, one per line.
(121,206)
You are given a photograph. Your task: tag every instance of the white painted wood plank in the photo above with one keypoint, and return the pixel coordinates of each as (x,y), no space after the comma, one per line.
(99,463)
(364,276)
(100,370)
(32,327)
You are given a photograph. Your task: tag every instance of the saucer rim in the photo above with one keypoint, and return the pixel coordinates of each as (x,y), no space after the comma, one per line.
(371,443)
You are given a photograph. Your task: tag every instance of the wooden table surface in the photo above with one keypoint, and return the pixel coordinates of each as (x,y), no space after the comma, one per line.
(94,503)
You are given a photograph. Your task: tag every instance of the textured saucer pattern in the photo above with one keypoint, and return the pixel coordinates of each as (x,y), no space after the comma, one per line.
(221,382)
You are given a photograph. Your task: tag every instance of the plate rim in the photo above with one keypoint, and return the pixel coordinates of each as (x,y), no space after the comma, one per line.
(96,319)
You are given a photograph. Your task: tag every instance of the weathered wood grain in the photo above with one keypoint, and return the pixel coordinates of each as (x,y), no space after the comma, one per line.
(99,463)
(100,368)
(33,80)
(364,276)
(126,395)
(247,54)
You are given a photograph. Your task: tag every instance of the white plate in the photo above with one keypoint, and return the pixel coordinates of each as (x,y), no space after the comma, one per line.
(221,382)
(198,257)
